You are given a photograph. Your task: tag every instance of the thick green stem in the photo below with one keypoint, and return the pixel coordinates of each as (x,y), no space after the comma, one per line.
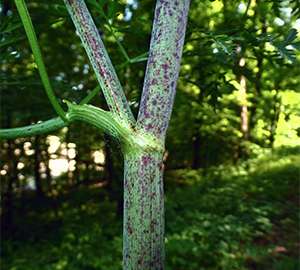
(142,142)
(143,231)
(43,127)
(99,118)
(112,124)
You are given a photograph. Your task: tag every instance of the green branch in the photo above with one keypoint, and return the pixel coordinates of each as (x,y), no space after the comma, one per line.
(121,47)
(42,127)
(26,20)
(97,117)
(132,140)
(90,96)
(110,29)
(32,130)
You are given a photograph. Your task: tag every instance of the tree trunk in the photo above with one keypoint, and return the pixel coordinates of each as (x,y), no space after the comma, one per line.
(244,106)
(86,172)
(275,116)
(143,246)
(8,200)
(37,175)
(108,166)
(77,178)
(196,150)
(48,170)
(260,68)
(8,196)
(69,173)
(112,177)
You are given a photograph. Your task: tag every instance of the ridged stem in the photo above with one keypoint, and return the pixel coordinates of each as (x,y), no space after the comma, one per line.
(131,140)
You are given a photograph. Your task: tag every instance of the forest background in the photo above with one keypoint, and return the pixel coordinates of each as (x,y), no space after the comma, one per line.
(232,152)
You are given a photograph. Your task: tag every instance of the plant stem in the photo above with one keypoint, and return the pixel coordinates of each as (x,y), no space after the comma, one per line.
(143,231)
(163,66)
(32,130)
(42,127)
(130,139)
(100,60)
(97,117)
(90,96)
(26,20)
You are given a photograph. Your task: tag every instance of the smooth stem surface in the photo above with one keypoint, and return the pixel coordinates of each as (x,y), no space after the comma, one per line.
(45,126)
(26,20)
(143,229)
(32,130)
(90,96)
(99,59)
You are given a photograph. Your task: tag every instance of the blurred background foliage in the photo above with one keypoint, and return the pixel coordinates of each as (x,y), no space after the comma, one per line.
(232,152)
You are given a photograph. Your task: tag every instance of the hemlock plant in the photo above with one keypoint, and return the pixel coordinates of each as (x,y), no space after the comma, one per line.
(142,140)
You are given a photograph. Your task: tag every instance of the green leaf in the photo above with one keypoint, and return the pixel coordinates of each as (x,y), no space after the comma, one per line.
(292,34)
(111,9)
(296,45)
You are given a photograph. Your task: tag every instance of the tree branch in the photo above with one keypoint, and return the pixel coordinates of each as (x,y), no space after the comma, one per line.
(100,60)
(163,65)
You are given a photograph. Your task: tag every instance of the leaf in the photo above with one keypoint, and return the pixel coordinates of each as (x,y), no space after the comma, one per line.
(296,45)
(111,9)
(286,49)
(141,58)
(292,34)
(9,41)
(284,52)
(296,7)
(11,27)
